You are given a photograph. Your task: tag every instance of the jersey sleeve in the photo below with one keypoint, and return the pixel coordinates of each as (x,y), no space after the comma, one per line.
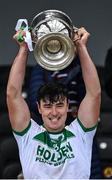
(32,129)
(86,134)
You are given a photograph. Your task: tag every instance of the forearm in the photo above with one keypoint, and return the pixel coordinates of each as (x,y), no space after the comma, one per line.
(89,71)
(17,72)
(89,108)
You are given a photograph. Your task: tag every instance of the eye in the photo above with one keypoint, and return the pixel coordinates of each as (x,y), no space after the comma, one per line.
(60,105)
(47,106)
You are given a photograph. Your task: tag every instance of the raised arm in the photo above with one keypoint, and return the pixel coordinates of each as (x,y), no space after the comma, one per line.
(90,106)
(18,110)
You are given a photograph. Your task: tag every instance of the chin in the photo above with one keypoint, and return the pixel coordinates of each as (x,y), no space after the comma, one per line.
(56,128)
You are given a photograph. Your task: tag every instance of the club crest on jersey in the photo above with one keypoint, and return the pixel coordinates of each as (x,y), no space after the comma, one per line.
(54,151)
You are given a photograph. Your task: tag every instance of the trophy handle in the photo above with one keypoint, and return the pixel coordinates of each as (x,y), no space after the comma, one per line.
(75,29)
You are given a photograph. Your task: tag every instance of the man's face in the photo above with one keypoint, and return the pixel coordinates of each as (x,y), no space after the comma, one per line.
(54,114)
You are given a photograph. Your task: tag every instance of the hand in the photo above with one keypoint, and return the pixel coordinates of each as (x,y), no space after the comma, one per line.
(81,36)
(19,37)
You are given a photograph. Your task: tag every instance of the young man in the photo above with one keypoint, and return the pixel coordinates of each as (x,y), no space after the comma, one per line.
(53,150)
(71,76)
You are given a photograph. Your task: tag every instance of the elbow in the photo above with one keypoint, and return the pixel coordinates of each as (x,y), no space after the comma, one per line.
(97,95)
(98,92)
(11,92)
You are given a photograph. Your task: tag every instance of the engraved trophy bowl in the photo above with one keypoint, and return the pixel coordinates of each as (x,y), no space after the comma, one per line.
(52,35)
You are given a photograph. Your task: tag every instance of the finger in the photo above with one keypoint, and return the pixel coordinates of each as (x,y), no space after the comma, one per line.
(76,39)
(20,37)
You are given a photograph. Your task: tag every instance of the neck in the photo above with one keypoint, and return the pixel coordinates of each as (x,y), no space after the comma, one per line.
(50,130)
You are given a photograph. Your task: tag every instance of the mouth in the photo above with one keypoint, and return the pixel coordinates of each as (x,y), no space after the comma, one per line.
(54,119)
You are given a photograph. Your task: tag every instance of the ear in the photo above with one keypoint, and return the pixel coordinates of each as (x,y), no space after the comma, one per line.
(67,106)
(39,109)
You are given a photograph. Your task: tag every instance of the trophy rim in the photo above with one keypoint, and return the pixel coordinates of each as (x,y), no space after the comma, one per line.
(53,11)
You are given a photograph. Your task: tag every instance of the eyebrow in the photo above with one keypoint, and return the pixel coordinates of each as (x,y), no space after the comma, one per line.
(50,103)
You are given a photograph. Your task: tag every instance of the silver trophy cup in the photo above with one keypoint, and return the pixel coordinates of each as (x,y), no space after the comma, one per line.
(52,35)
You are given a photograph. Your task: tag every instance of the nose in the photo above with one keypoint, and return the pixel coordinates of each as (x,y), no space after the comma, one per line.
(54,111)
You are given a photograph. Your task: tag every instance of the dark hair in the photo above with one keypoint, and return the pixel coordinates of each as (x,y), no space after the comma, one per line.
(52,92)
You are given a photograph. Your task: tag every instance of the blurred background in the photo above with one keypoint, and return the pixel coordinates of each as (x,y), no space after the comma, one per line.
(96,17)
